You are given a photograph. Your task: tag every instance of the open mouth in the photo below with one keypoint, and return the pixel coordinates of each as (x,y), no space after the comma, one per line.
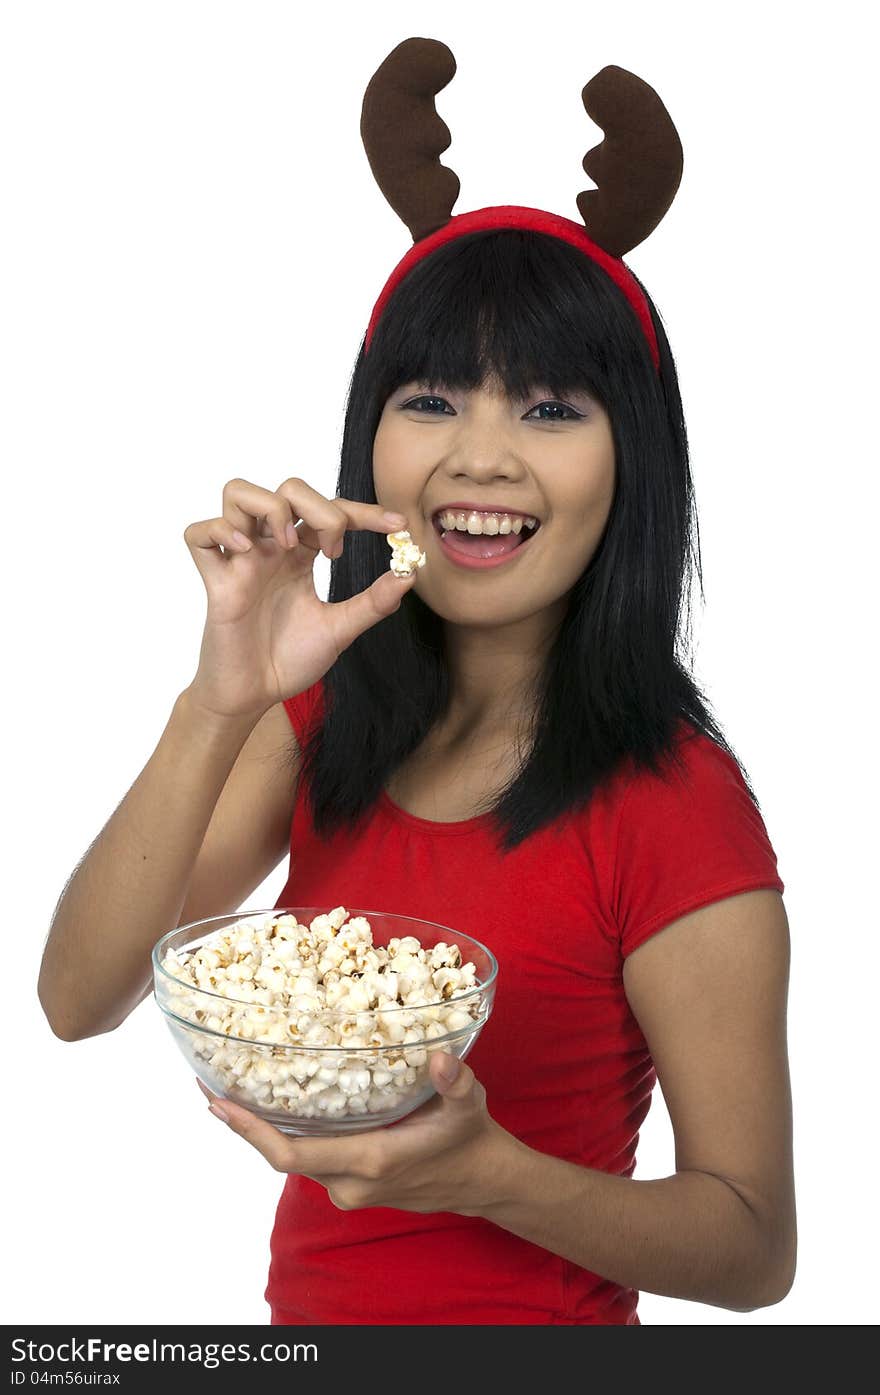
(504,533)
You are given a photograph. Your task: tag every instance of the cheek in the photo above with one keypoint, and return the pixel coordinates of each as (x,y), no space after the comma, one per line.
(395,467)
(586,513)
(585,518)
(384,473)
(380,455)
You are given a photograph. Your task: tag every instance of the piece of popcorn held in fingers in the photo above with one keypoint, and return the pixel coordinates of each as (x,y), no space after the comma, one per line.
(406,555)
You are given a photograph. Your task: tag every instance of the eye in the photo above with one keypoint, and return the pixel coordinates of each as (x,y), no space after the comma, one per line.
(411,405)
(573,415)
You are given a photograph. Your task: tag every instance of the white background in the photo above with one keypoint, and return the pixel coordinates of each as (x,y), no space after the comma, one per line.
(192,244)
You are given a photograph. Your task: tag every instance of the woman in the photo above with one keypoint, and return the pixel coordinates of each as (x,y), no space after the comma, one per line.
(512,749)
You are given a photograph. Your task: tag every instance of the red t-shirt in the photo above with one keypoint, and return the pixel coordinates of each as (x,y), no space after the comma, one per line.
(564,1063)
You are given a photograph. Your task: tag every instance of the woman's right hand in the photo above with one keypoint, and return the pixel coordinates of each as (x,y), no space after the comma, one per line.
(267,635)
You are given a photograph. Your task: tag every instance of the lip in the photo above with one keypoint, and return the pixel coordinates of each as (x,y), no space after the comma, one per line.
(480,563)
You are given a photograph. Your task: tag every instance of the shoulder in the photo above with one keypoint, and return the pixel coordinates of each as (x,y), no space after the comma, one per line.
(694,772)
(686,834)
(695,803)
(694,769)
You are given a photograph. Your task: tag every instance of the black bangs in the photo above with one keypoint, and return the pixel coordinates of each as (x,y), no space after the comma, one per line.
(515,305)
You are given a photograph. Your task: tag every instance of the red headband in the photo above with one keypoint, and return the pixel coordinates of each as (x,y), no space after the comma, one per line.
(514,216)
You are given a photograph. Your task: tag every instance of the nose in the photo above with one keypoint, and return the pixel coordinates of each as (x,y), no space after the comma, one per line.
(482,450)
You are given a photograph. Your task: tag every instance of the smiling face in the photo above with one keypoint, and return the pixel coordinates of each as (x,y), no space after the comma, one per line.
(441,453)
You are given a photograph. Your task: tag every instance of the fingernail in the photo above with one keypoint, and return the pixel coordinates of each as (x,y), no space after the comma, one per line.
(204,1089)
(394,518)
(240,540)
(290,534)
(218,1112)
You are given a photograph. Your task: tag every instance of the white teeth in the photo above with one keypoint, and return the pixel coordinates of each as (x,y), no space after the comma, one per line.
(489,523)
(493,523)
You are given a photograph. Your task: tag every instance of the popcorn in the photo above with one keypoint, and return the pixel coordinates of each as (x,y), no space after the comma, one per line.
(279,990)
(457,1020)
(446,981)
(406,555)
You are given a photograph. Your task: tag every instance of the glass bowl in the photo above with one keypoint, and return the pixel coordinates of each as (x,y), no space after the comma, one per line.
(272,1056)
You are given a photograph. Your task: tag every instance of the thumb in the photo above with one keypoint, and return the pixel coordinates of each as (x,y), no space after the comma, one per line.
(450,1077)
(351,617)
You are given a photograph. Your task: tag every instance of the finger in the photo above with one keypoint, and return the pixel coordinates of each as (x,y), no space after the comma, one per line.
(257,512)
(326,521)
(452,1078)
(205,540)
(274,1145)
(351,617)
(310,1157)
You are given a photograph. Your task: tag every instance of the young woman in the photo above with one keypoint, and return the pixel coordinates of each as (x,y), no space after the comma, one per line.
(507,742)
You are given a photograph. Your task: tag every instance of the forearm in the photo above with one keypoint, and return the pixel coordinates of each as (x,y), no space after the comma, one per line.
(689,1236)
(131,885)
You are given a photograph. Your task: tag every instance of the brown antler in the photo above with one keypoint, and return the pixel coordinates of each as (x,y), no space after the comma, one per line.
(403,134)
(637,167)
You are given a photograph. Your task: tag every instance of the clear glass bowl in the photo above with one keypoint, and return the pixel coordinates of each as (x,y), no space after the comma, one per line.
(320,1089)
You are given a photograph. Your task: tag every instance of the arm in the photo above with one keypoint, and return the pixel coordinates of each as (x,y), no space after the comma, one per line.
(709,993)
(132,884)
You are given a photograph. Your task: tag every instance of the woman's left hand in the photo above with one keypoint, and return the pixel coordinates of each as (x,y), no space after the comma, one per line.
(447,1155)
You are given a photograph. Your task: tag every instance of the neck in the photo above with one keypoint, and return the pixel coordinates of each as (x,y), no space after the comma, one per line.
(493,671)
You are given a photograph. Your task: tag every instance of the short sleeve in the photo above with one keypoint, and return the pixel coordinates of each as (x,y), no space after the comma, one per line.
(303,709)
(685,839)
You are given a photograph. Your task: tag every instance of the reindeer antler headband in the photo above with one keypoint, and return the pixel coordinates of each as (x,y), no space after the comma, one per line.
(637,168)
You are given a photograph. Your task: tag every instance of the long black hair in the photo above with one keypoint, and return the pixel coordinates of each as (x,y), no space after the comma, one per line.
(615,687)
